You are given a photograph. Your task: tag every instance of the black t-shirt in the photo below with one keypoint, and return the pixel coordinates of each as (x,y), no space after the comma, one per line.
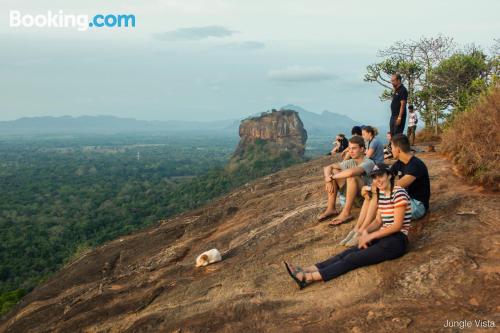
(420,189)
(399,95)
(343,144)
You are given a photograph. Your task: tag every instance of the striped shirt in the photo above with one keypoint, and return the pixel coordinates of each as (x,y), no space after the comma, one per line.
(387,204)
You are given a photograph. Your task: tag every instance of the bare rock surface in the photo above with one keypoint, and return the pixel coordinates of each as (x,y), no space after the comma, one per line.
(147,282)
(279,130)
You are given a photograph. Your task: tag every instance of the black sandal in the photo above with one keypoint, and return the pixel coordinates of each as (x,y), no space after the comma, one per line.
(301,283)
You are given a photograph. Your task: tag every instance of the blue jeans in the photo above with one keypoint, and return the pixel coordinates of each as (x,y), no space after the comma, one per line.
(417,209)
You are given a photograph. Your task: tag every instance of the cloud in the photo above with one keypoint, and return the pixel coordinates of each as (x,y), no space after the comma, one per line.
(300,74)
(248,45)
(194,33)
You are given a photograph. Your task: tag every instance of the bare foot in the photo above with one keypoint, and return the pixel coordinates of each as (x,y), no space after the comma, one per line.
(327,214)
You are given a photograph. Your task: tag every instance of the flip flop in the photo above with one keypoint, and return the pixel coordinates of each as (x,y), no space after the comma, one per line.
(336,222)
(326,217)
(301,283)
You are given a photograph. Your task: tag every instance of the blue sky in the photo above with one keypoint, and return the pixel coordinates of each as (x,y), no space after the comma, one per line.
(209,60)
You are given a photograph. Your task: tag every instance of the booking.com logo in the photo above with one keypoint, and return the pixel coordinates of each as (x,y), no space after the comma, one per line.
(61,20)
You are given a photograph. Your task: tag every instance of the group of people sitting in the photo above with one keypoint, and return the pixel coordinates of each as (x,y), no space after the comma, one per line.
(391,197)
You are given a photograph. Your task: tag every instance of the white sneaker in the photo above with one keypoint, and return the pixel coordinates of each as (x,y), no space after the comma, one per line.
(348,237)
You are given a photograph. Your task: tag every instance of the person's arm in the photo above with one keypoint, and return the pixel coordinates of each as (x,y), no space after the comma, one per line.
(402,107)
(370,152)
(399,214)
(336,148)
(376,224)
(405,181)
(345,154)
(328,171)
(369,193)
(357,171)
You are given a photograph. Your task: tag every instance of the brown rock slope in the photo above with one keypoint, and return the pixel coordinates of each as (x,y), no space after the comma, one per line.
(147,282)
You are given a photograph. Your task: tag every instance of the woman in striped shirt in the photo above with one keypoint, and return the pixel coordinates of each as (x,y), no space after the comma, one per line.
(385,239)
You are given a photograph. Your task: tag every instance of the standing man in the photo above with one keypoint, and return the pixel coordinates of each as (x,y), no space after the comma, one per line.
(412,124)
(398,105)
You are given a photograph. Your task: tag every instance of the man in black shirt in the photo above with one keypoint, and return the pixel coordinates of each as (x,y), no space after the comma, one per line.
(412,174)
(398,105)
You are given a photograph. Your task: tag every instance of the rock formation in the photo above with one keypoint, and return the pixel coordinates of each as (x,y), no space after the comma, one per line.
(147,282)
(270,134)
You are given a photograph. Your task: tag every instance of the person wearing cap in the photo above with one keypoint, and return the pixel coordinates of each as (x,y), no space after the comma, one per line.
(411,174)
(347,177)
(385,239)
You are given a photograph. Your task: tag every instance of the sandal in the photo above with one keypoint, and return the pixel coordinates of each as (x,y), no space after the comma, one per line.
(326,217)
(336,222)
(301,283)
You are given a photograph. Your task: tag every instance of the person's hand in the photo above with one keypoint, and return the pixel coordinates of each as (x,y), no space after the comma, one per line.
(366,191)
(398,121)
(364,239)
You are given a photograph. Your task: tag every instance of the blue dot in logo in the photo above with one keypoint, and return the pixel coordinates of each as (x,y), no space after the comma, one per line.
(90,24)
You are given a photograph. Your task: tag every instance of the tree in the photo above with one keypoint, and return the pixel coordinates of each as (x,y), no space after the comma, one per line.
(413,60)
(457,81)
(430,52)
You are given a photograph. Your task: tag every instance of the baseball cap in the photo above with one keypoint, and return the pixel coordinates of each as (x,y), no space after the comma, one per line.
(379,169)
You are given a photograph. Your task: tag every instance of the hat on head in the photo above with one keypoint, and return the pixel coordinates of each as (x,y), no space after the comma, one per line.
(379,169)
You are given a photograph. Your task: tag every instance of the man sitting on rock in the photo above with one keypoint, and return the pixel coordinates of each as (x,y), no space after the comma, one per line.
(411,174)
(347,177)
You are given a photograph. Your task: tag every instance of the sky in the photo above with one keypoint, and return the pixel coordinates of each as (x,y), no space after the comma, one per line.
(218,59)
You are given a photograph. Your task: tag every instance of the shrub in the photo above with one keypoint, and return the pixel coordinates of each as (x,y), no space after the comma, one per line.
(427,135)
(472,140)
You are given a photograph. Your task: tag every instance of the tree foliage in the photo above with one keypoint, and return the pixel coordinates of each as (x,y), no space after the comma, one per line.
(441,80)
(61,198)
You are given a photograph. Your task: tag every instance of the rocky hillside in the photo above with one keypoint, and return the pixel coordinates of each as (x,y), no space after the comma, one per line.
(147,282)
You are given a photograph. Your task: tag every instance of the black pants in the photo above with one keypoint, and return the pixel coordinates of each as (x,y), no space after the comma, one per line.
(397,129)
(387,248)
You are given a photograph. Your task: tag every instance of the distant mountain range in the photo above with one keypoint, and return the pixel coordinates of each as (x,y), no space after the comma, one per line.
(109,125)
(324,124)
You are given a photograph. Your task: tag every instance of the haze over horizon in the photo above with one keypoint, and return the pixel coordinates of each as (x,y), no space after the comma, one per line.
(197,60)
